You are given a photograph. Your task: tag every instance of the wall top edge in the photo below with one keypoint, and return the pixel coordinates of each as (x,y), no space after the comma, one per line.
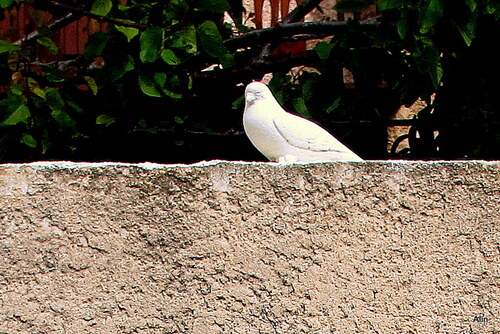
(151,166)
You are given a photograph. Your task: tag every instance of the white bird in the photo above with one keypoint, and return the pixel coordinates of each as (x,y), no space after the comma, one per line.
(284,137)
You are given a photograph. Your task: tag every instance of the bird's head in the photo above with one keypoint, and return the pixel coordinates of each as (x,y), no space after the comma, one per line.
(257,91)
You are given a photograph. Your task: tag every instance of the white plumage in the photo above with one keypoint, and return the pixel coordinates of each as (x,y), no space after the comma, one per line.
(284,137)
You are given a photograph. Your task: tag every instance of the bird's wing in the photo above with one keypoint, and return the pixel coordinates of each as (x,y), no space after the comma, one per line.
(304,134)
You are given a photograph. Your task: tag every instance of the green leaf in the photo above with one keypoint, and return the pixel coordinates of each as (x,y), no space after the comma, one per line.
(151,42)
(104,120)
(96,44)
(48,44)
(6,3)
(28,140)
(73,105)
(92,84)
(431,15)
(160,79)
(429,60)
(129,32)
(389,4)
(120,66)
(215,6)
(185,40)
(39,92)
(172,94)
(8,47)
(9,105)
(35,88)
(403,27)
(149,86)
(46,142)
(493,8)
(170,57)
(323,50)
(467,33)
(300,107)
(54,99)
(102,7)
(308,89)
(239,103)
(176,9)
(21,114)
(227,60)
(52,75)
(63,118)
(154,85)
(472,4)
(468,30)
(334,106)
(352,5)
(437,75)
(17,89)
(212,42)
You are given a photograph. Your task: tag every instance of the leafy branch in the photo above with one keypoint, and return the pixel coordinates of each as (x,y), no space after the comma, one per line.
(82,11)
(312,30)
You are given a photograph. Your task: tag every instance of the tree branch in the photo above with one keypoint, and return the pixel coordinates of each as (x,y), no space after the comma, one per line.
(254,63)
(295,15)
(57,25)
(84,12)
(314,29)
(256,69)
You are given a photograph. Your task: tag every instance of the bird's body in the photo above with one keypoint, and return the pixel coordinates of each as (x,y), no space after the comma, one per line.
(284,137)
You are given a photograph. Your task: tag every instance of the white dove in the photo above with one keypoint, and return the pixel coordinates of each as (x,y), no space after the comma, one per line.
(284,137)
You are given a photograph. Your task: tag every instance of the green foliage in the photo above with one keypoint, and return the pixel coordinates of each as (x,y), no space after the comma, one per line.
(95,45)
(422,49)
(446,52)
(8,47)
(143,83)
(21,114)
(170,57)
(28,140)
(152,85)
(129,32)
(6,3)
(433,10)
(48,44)
(102,7)
(323,50)
(212,42)
(151,44)
(104,120)
(216,6)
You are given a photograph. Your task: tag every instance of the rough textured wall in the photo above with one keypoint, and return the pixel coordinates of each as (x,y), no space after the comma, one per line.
(247,248)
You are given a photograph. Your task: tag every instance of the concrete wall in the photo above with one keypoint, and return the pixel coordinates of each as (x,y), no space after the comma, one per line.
(250,248)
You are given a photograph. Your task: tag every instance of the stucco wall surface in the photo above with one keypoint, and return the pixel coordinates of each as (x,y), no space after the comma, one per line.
(375,247)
